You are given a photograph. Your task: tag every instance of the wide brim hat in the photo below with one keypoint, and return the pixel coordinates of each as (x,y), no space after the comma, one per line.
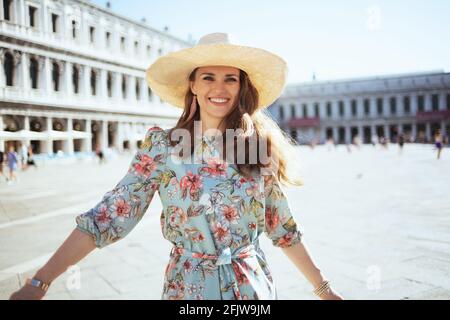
(168,76)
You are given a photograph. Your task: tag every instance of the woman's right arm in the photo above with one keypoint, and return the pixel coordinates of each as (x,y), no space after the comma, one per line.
(114,216)
(77,246)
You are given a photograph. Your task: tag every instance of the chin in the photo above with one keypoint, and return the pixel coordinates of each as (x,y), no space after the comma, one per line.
(218,112)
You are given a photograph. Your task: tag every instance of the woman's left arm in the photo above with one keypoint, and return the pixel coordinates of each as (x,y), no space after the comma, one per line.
(299,255)
(283,230)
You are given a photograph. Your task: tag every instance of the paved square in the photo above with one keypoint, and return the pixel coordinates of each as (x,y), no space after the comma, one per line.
(376,221)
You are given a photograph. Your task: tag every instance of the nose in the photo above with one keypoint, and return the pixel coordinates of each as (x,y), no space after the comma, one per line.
(218,86)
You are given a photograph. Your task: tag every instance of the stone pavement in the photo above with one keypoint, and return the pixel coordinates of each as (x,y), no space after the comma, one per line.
(376,222)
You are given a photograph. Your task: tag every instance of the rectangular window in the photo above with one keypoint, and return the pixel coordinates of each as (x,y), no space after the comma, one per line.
(366,107)
(353,107)
(328,109)
(74,29)
(316,110)
(406,104)
(55,19)
(7,9)
(448,100)
(91,34)
(108,39)
(435,102)
(281,112)
(136,47)
(380,106)
(292,111)
(420,103)
(305,111)
(393,104)
(150,94)
(32,14)
(341,108)
(122,44)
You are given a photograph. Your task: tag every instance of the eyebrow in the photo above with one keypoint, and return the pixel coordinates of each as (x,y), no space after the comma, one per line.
(212,74)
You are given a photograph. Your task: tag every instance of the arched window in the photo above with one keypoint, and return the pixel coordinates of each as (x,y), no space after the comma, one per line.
(109,84)
(34,73)
(75,79)
(93,82)
(124,86)
(55,76)
(8,66)
(7,9)
(138,89)
(150,94)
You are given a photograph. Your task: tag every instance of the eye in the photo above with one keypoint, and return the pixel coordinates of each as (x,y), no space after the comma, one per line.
(232,79)
(208,78)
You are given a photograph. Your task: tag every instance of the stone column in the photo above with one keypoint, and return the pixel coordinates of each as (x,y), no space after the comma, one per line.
(335,135)
(442,102)
(87,81)
(414,131)
(49,143)
(428,131)
(144,90)
(2,142)
(21,12)
(25,72)
(43,23)
(68,86)
(88,140)
(387,132)
(103,88)
(117,86)
(119,137)
(26,126)
(47,75)
(427,98)
(104,135)
(348,137)
(131,89)
(69,142)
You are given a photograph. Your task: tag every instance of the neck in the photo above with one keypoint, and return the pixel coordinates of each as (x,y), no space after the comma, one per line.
(212,124)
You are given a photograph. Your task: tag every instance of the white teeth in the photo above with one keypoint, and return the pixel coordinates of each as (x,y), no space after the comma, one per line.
(218,100)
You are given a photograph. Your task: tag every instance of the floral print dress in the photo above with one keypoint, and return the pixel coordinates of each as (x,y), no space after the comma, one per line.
(212,214)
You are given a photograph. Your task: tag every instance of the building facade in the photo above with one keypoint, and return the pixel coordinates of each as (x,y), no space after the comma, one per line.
(416,105)
(72,77)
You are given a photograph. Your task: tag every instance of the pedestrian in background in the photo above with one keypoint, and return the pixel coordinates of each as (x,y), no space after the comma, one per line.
(13,160)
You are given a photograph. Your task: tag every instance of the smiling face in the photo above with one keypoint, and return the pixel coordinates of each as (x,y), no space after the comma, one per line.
(217,90)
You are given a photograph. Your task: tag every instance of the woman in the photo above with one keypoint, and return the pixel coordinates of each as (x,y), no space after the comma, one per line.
(13,160)
(214,206)
(438,142)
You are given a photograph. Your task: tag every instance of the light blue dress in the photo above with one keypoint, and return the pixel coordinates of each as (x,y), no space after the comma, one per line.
(212,215)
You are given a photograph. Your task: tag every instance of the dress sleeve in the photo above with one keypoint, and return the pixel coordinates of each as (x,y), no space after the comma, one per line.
(280,225)
(122,208)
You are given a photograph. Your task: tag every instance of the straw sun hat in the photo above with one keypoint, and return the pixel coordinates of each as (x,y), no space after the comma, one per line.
(168,76)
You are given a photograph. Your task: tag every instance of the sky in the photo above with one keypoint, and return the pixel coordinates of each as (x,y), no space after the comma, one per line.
(326,38)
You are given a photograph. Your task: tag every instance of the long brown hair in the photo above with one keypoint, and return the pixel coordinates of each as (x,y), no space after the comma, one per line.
(246,116)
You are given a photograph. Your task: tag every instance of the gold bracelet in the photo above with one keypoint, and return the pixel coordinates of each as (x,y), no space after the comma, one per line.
(38,284)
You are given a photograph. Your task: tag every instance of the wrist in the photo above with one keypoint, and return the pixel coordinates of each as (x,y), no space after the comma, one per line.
(43,276)
(38,284)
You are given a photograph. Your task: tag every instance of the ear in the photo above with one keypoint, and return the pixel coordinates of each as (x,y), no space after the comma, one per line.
(191,85)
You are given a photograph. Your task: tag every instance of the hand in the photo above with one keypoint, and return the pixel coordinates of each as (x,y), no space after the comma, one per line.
(330,294)
(28,292)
